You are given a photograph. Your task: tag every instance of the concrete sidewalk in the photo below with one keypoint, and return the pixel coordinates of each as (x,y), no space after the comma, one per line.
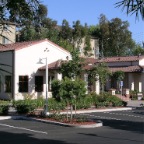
(15,116)
(135,103)
(99,110)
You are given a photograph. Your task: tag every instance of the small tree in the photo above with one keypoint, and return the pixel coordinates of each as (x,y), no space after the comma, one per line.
(72,68)
(68,90)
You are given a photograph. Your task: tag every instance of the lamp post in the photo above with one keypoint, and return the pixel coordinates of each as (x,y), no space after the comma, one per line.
(46,107)
(46,101)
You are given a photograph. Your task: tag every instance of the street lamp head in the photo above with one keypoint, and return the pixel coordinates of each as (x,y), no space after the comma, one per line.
(40,61)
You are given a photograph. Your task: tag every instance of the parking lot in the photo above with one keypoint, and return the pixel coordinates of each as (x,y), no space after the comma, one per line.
(118,127)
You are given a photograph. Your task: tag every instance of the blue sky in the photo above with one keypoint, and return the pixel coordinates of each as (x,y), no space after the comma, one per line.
(88,11)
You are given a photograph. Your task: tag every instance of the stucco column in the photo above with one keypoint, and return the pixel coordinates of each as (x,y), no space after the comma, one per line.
(86,81)
(140,86)
(58,76)
(132,86)
(97,85)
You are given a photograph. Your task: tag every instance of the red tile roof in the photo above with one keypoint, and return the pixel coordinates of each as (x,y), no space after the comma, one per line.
(54,65)
(135,68)
(89,63)
(124,69)
(121,59)
(88,67)
(113,59)
(20,45)
(90,60)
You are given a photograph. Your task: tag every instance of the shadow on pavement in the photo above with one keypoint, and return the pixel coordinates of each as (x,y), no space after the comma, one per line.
(124,125)
(110,138)
(24,138)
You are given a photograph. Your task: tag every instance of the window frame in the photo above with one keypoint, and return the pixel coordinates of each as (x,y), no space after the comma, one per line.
(39,86)
(23,83)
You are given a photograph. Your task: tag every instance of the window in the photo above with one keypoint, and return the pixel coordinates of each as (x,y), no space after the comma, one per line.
(38,83)
(23,83)
(8,83)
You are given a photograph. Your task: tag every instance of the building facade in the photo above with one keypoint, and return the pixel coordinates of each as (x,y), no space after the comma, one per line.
(19,72)
(7,32)
(93,49)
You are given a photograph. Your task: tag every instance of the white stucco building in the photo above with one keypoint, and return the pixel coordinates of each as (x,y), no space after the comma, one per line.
(132,66)
(20,73)
(19,66)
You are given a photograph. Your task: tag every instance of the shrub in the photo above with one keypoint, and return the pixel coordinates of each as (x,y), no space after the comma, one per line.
(55,105)
(114,101)
(4,109)
(24,109)
(133,94)
(4,102)
(24,106)
(124,103)
(84,102)
(39,102)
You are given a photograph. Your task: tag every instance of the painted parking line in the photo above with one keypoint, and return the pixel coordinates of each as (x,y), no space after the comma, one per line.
(102,117)
(22,128)
(140,112)
(125,115)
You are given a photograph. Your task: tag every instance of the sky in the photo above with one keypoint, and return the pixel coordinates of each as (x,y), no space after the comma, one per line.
(88,11)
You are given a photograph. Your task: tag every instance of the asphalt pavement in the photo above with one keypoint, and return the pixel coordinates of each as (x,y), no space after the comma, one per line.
(119,127)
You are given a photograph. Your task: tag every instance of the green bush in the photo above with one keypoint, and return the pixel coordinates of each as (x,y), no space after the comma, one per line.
(5,102)
(55,105)
(24,109)
(24,106)
(105,99)
(4,109)
(133,94)
(124,103)
(84,103)
(39,102)
(114,101)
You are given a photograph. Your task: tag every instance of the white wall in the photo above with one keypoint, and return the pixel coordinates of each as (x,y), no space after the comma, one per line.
(26,62)
(141,62)
(136,81)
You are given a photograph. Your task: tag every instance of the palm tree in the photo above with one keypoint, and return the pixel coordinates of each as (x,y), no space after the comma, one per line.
(132,6)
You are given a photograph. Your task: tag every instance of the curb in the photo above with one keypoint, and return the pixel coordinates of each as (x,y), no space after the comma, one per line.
(97,124)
